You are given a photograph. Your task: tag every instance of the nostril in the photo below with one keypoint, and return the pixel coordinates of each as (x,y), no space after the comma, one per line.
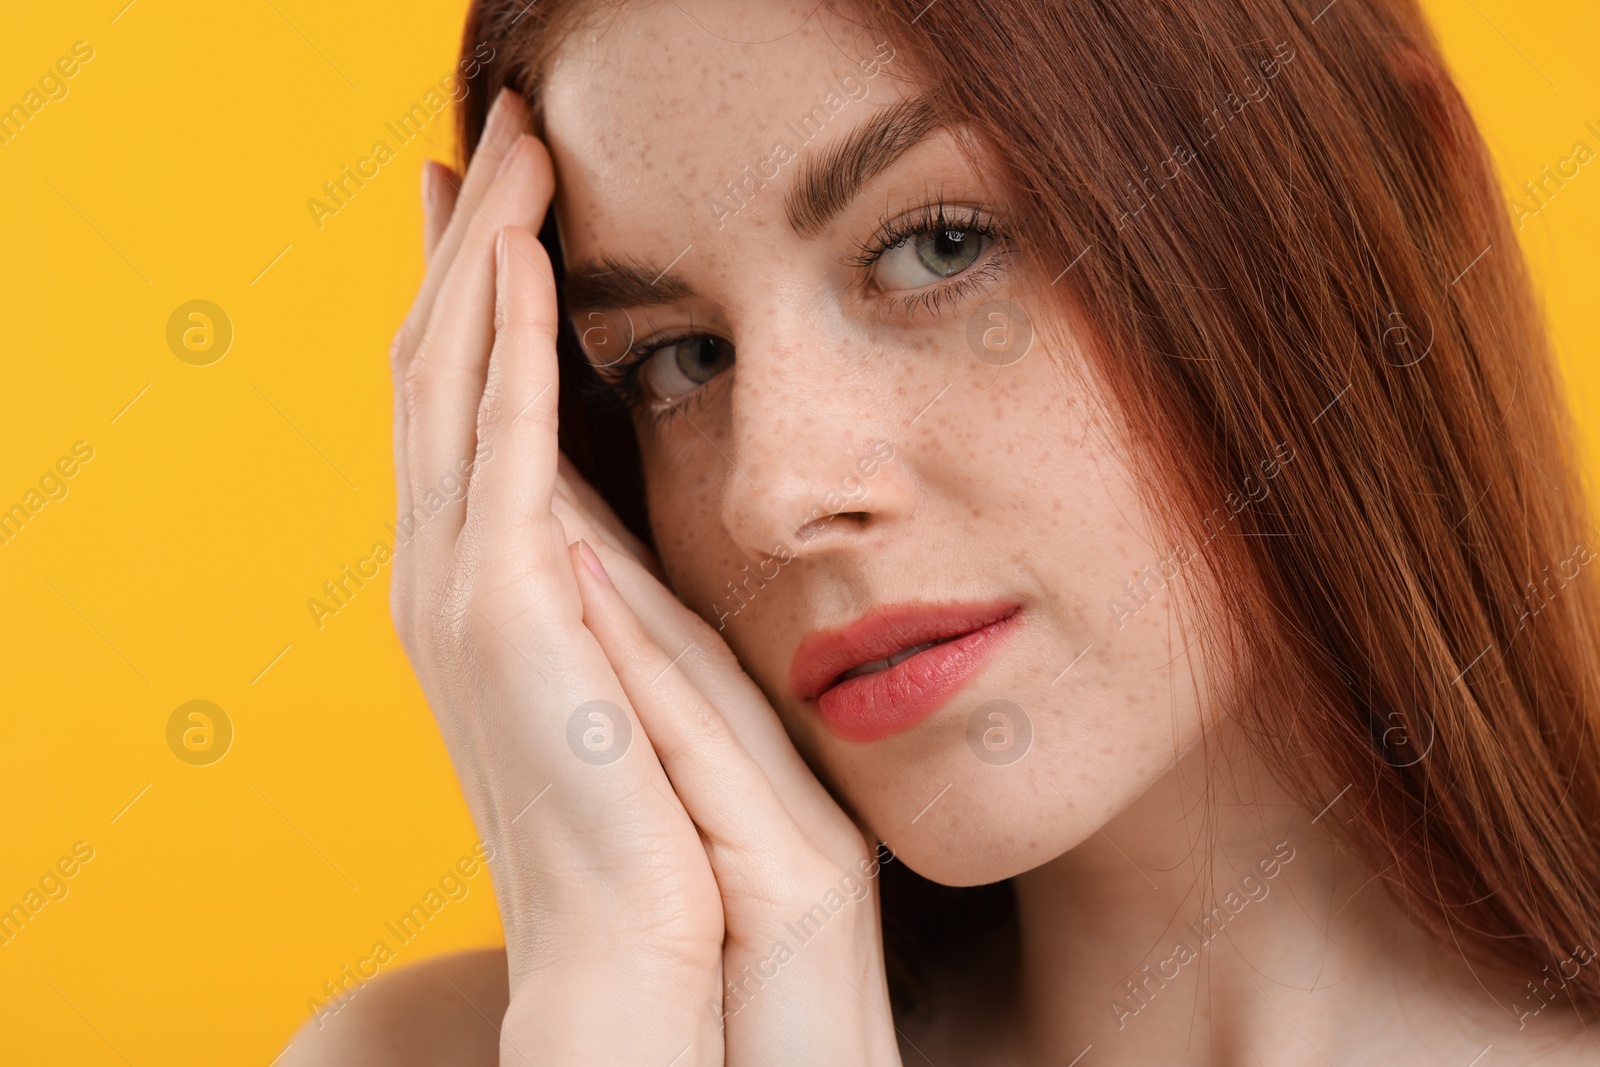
(812,528)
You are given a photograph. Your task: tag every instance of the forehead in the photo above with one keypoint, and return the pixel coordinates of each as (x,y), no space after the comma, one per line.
(653,112)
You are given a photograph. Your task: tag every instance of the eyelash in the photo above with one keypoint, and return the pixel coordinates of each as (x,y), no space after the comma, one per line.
(933,218)
(620,383)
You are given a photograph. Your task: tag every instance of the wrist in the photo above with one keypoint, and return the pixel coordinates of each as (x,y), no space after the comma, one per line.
(608,1009)
(836,973)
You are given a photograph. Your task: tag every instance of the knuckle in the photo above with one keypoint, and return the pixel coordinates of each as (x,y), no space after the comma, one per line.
(490,408)
(450,629)
(709,727)
(415,378)
(524,314)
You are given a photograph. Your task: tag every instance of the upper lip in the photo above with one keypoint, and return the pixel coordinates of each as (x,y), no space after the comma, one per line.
(880,633)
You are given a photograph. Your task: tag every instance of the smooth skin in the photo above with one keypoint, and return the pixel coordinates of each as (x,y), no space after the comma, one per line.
(632,889)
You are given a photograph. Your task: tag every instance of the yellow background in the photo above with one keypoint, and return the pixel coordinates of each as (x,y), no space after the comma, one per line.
(179,564)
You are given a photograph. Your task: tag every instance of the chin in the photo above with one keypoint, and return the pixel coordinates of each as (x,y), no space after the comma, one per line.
(986,836)
(976,858)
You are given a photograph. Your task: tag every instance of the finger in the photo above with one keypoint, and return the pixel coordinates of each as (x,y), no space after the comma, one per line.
(721,786)
(439,185)
(445,383)
(716,673)
(511,496)
(506,120)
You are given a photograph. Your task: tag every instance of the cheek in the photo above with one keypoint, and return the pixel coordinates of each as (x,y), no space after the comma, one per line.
(1040,500)
(683,495)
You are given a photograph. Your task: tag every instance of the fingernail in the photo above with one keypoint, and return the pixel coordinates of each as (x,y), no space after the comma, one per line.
(592,561)
(492,127)
(500,252)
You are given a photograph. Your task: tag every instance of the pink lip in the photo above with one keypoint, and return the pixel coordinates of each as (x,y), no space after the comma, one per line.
(872,706)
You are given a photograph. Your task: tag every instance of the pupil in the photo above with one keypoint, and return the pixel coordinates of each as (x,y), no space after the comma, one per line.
(701,358)
(948,252)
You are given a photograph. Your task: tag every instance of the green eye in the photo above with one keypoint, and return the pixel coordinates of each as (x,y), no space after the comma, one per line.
(948,252)
(929,257)
(699,359)
(677,368)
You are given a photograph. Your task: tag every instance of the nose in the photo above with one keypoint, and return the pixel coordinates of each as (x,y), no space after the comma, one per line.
(815,441)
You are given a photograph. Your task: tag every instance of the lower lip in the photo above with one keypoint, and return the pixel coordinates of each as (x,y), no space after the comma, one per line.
(873,706)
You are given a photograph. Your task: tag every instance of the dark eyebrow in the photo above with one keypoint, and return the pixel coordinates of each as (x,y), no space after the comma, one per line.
(830,180)
(825,183)
(616,284)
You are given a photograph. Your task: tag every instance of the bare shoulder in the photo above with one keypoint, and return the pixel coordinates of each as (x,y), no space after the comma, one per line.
(442,1011)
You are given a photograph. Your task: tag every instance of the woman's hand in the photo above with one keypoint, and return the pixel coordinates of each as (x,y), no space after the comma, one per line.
(804,980)
(610,908)
(652,824)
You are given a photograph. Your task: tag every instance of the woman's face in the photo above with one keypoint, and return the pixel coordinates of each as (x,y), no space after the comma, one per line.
(860,420)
